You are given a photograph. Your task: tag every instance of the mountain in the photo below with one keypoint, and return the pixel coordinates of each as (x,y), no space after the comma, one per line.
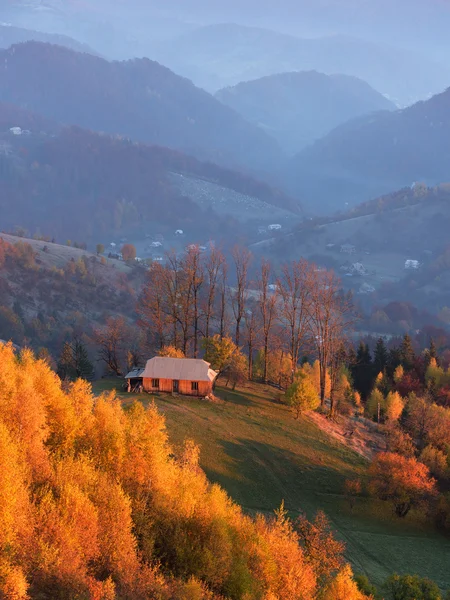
(10,35)
(117,30)
(298,108)
(376,154)
(72,183)
(139,99)
(223,55)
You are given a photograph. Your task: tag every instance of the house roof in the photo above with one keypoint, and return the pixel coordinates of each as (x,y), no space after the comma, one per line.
(135,373)
(182,369)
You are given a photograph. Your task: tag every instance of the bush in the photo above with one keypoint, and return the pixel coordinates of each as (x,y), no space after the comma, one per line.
(412,587)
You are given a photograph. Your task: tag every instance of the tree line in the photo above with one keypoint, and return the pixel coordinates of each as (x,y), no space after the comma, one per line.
(296,311)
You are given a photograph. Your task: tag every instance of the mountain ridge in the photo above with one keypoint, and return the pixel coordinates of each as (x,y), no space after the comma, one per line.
(299,107)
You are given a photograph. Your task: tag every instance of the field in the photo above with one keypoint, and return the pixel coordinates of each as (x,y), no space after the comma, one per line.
(252,445)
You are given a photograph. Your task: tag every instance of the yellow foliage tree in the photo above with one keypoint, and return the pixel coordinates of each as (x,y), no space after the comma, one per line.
(394,406)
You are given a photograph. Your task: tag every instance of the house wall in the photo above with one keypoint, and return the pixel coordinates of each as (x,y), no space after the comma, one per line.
(166,385)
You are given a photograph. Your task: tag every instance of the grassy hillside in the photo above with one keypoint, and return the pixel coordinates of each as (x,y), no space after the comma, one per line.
(253,447)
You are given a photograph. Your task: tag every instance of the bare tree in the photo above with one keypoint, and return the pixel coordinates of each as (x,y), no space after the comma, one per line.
(251,329)
(111,342)
(267,303)
(295,290)
(171,286)
(152,307)
(241,257)
(331,315)
(214,265)
(194,275)
(223,299)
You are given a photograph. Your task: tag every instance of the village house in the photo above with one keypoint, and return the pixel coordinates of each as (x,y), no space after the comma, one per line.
(412,264)
(186,376)
(348,249)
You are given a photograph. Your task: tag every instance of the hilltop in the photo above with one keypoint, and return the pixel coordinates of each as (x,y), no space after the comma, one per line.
(298,108)
(375,154)
(139,99)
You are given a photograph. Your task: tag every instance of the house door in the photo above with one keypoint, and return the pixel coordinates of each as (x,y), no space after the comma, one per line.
(176,386)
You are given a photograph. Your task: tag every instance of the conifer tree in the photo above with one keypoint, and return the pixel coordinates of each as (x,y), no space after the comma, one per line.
(74,361)
(407,354)
(380,356)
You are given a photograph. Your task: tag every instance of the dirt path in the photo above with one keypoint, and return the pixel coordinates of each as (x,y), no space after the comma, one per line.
(357,433)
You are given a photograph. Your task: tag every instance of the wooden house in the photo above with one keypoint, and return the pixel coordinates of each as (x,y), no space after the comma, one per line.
(186,376)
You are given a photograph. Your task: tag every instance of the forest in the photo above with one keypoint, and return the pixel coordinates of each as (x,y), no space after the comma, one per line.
(96,504)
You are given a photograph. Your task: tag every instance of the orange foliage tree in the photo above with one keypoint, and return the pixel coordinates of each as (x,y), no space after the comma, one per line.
(96,505)
(403,481)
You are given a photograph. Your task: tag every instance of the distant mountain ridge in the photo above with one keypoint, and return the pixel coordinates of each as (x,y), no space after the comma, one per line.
(226,54)
(77,184)
(298,108)
(10,35)
(376,154)
(140,99)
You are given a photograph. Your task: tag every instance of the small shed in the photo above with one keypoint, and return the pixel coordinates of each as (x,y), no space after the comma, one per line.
(134,379)
(186,376)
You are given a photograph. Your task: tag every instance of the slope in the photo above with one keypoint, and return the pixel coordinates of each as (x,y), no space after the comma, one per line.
(139,99)
(376,154)
(300,107)
(76,184)
(221,55)
(252,446)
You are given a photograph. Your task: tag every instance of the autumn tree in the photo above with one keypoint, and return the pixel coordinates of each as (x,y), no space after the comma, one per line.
(402,481)
(301,395)
(324,553)
(171,352)
(128,252)
(394,406)
(375,405)
(100,248)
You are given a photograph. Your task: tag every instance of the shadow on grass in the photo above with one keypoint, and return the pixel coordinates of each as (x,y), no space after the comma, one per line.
(239,397)
(265,475)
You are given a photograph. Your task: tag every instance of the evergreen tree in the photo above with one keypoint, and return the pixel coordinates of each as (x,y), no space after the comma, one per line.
(74,361)
(407,354)
(394,359)
(65,363)
(82,364)
(431,354)
(362,371)
(380,360)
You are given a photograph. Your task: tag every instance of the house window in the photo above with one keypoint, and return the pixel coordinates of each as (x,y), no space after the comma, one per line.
(155,383)
(194,386)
